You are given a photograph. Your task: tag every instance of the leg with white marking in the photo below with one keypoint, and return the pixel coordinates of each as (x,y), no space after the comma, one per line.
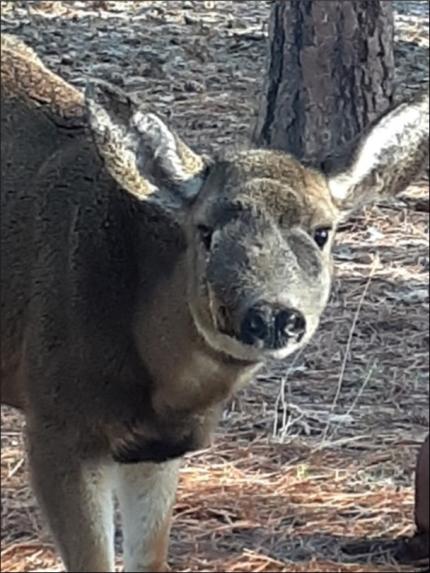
(146,494)
(77,499)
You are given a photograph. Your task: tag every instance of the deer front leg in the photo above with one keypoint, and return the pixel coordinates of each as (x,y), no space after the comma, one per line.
(77,500)
(146,493)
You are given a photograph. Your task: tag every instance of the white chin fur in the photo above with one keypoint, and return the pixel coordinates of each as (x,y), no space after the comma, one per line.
(234,348)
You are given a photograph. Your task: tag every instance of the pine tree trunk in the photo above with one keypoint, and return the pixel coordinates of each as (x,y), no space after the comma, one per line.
(330,72)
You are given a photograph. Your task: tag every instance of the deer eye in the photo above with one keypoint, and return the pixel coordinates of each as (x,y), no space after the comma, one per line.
(205,235)
(321,236)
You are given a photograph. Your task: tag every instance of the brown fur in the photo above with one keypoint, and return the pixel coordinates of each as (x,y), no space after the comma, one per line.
(416,548)
(121,325)
(24,75)
(160,545)
(422,487)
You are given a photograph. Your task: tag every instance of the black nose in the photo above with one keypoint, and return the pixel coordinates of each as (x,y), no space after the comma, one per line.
(272,326)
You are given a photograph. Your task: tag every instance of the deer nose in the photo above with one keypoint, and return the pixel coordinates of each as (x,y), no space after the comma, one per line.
(271,326)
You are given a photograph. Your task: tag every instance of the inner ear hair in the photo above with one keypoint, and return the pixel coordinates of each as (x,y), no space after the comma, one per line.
(114,100)
(140,151)
(384,159)
(342,157)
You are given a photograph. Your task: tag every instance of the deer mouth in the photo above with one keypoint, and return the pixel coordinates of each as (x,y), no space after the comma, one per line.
(217,329)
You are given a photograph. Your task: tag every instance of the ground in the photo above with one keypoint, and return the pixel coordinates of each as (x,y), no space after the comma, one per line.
(318,453)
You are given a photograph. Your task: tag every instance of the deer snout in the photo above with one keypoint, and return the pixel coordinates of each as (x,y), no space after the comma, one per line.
(270,326)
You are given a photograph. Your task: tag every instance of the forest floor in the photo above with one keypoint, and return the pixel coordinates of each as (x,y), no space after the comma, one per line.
(316,456)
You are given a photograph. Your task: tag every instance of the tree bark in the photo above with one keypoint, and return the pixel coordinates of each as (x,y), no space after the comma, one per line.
(330,72)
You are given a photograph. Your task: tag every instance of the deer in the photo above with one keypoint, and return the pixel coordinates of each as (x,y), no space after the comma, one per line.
(143,283)
(419,544)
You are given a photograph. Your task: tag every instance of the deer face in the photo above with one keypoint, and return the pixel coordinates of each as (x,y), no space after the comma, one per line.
(259,226)
(259,255)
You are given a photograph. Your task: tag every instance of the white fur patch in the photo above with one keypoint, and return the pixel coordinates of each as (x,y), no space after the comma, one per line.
(393,130)
(158,137)
(146,493)
(162,142)
(232,347)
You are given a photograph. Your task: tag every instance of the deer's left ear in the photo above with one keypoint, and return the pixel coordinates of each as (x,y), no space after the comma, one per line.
(384,160)
(138,148)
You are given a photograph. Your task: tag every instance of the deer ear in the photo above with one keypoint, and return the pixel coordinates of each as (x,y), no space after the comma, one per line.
(138,148)
(384,160)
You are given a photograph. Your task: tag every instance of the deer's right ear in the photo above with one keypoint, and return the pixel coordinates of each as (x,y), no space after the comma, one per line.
(384,160)
(139,150)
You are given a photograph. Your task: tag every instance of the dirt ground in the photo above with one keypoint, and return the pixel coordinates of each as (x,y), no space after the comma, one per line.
(317,455)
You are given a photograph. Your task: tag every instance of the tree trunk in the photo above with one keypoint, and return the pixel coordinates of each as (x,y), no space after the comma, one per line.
(330,73)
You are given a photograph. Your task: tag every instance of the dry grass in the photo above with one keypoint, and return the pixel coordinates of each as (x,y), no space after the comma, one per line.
(312,467)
